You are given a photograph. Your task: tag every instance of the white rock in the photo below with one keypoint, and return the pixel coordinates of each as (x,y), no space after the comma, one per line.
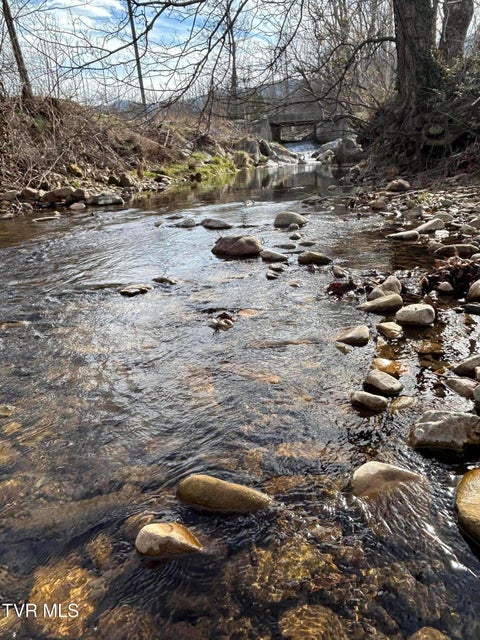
(373,478)
(418,314)
(404,235)
(390,302)
(166,540)
(355,336)
(369,400)
(390,329)
(383,383)
(445,430)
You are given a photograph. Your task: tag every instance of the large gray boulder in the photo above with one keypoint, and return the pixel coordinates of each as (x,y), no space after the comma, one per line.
(445,431)
(237,247)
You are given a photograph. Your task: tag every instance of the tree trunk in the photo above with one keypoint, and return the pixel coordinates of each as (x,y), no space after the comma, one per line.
(457,17)
(27,93)
(418,73)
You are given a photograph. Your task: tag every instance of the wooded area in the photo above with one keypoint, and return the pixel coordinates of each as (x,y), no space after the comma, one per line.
(412,65)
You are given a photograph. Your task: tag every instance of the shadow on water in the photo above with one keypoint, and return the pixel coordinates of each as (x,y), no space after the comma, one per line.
(116,399)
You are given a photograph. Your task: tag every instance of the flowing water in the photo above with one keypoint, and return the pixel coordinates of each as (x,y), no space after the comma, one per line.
(114,400)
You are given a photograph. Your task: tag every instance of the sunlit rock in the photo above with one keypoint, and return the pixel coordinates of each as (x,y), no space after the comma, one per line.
(355,336)
(390,302)
(411,235)
(268,255)
(377,477)
(368,400)
(383,383)
(312,622)
(468,503)
(435,224)
(401,403)
(134,289)
(416,314)
(390,329)
(166,540)
(213,494)
(474,291)
(390,285)
(445,430)
(428,633)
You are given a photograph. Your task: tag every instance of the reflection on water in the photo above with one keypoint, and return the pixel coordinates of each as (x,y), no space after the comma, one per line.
(116,399)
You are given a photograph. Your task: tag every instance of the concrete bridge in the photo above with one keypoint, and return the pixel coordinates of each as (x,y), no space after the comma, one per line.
(285,125)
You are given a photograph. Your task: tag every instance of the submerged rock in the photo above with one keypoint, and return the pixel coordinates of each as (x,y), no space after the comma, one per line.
(375,477)
(391,302)
(312,621)
(237,247)
(166,540)
(287,218)
(213,494)
(313,257)
(445,430)
(383,383)
(355,336)
(368,400)
(418,314)
(468,503)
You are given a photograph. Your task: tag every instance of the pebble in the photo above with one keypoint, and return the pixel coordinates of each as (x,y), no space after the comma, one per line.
(369,400)
(390,329)
(355,336)
(383,383)
(166,540)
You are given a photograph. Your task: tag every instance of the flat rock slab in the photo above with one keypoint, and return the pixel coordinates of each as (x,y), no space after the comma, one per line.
(416,314)
(287,218)
(468,503)
(166,540)
(268,255)
(445,431)
(313,257)
(211,494)
(368,400)
(374,478)
(355,336)
(237,247)
(215,223)
(135,289)
(391,302)
(383,383)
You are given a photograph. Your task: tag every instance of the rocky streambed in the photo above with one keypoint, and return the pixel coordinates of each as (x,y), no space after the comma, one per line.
(278,425)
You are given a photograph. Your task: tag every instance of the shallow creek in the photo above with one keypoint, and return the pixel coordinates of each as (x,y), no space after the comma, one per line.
(115,399)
